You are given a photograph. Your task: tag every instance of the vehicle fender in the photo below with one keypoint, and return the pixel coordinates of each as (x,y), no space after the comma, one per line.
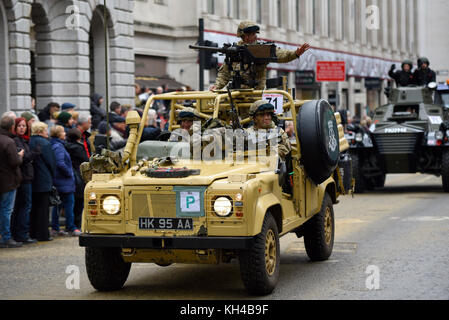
(264,203)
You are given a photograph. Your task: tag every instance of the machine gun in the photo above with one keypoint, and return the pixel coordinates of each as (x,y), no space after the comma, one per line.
(249,56)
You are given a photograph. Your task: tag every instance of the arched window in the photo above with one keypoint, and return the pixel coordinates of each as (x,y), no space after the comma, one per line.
(97,54)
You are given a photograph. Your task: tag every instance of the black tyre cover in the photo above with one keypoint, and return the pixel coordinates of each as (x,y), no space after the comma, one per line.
(320,142)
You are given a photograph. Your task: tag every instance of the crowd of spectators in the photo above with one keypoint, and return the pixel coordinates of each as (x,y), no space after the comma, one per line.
(41,152)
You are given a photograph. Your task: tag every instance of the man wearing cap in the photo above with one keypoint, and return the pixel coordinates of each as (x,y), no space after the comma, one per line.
(186,118)
(262,113)
(248,31)
(424,75)
(68,107)
(402,77)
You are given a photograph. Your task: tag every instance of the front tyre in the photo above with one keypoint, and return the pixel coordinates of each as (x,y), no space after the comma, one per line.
(319,232)
(259,266)
(106,269)
(445,170)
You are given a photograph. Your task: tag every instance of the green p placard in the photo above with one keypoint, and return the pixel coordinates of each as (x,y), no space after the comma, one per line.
(189,201)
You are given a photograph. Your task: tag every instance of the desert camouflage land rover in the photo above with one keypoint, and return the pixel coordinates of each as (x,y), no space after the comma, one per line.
(157,202)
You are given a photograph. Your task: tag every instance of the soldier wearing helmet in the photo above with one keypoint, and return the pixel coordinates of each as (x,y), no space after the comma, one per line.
(248,31)
(424,75)
(403,77)
(262,113)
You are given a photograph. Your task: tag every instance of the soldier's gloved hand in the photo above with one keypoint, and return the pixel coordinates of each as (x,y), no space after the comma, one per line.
(213,123)
(393,67)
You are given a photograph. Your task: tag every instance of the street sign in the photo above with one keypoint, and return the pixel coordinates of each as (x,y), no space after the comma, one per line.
(330,71)
(305,77)
(373,83)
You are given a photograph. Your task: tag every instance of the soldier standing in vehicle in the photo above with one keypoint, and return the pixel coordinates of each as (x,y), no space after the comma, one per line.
(403,77)
(248,31)
(262,113)
(424,75)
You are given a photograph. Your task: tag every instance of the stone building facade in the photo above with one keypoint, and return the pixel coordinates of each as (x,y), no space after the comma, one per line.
(369,35)
(54,50)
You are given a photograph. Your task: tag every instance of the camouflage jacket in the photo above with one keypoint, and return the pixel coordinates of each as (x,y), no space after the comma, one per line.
(284,146)
(225,75)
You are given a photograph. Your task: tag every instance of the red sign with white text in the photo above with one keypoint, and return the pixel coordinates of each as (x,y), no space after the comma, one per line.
(330,71)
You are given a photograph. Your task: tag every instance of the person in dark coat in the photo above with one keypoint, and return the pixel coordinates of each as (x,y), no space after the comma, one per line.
(403,77)
(20,219)
(96,112)
(44,166)
(64,181)
(10,177)
(47,114)
(78,155)
(424,75)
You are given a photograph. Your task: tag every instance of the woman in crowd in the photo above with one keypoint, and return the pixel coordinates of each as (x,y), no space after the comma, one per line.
(20,219)
(44,165)
(64,182)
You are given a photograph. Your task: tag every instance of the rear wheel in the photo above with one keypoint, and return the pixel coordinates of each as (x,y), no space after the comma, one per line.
(319,232)
(445,170)
(259,266)
(106,269)
(357,173)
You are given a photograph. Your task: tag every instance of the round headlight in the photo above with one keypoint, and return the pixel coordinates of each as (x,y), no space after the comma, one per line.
(222,206)
(111,205)
(359,137)
(439,135)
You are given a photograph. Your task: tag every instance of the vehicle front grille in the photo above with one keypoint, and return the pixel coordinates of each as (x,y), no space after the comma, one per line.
(404,143)
(157,204)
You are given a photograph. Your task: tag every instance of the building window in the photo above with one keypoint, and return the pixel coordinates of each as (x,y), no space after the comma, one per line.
(259,11)
(279,17)
(160,2)
(236,9)
(228,9)
(211,6)
(329,19)
(343,24)
(298,26)
(314,17)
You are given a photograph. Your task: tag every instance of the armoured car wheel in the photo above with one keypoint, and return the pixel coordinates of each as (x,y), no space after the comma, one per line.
(380,181)
(259,266)
(445,170)
(319,232)
(320,141)
(357,173)
(106,269)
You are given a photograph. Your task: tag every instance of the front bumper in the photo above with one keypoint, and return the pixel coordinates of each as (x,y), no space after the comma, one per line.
(130,241)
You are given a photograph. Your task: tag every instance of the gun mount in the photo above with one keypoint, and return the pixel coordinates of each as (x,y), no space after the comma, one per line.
(248,56)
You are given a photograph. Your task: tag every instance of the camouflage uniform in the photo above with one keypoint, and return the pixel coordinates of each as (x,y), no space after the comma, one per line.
(284,146)
(225,75)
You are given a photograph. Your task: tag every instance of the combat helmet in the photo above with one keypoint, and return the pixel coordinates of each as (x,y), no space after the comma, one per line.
(260,106)
(409,62)
(247,27)
(188,114)
(422,60)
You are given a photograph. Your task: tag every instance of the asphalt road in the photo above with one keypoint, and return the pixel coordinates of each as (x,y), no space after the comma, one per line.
(391,243)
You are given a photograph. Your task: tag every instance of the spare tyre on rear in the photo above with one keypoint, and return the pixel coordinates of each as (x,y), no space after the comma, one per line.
(320,142)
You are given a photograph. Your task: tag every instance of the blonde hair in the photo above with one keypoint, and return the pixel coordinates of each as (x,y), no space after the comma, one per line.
(55,131)
(38,127)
